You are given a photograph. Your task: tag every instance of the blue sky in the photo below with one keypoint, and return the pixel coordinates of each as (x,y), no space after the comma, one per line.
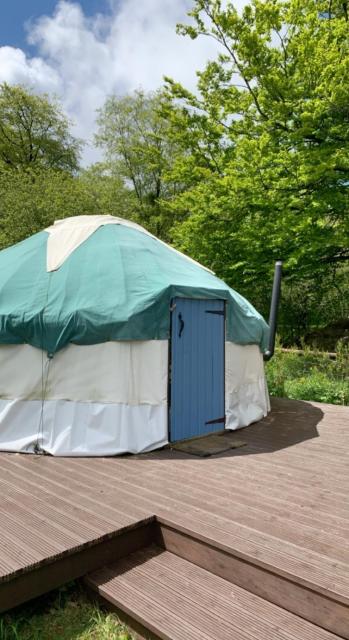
(15,14)
(82,51)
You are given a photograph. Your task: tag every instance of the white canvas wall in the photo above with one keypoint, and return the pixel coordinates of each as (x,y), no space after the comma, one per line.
(109,398)
(246,392)
(99,399)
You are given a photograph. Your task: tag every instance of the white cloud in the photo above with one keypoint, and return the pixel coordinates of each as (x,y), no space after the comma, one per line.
(83,59)
(15,67)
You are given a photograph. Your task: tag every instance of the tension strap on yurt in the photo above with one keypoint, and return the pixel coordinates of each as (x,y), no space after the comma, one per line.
(45,369)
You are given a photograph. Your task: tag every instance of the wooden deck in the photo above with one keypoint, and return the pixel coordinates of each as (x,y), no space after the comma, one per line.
(281,502)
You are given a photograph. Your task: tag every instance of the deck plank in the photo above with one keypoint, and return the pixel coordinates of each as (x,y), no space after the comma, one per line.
(281,499)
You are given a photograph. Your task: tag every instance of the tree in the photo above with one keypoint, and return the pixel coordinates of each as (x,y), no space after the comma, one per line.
(34,132)
(106,192)
(135,138)
(266,147)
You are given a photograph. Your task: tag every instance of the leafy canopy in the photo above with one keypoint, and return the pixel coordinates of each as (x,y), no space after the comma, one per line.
(29,201)
(265,145)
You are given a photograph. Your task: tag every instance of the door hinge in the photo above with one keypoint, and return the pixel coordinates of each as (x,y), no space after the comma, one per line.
(216,313)
(217,420)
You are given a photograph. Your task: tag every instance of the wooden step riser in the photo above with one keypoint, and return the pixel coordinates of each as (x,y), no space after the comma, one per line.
(292,596)
(44,578)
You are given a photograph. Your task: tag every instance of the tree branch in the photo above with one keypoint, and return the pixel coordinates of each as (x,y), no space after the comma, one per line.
(236,62)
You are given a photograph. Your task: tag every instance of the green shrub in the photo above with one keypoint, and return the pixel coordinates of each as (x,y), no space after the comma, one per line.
(312,375)
(318,387)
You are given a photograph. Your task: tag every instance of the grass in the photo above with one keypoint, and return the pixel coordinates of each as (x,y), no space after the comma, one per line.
(66,614)
(310,376)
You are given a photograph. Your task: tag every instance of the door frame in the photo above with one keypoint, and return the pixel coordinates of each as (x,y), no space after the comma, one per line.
(169,369)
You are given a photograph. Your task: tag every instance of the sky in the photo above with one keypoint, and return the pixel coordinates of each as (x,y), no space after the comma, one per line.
(84,51)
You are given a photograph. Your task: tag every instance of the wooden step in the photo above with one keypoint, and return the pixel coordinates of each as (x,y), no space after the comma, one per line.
(172,599)
(320,598)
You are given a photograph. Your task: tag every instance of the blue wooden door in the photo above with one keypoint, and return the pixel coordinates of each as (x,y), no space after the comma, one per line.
(197,368)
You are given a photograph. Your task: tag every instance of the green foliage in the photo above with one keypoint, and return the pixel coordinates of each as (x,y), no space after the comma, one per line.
(65,614)
(318,303)
(265,150)
(250,168)
(32,200)
(135,138)
(320,388)
(39,181)
(34,132)
(310,376)
(106,193)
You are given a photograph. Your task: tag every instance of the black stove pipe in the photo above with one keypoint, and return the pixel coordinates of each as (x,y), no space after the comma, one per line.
(274,306)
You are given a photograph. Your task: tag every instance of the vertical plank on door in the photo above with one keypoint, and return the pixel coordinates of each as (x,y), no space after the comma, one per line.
(197,374)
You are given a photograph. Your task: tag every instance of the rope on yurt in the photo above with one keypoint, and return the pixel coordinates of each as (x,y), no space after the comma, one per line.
(45,369)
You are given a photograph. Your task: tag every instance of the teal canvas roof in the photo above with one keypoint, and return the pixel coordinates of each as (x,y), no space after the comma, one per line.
(116,285)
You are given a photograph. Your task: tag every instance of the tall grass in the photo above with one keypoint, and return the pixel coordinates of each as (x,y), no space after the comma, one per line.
(65,614)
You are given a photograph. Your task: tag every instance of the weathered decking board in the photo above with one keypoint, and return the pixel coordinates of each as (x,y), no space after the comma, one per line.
(174,598)
(282,499)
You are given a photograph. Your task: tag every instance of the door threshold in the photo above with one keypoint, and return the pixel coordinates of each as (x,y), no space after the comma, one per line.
(209,445)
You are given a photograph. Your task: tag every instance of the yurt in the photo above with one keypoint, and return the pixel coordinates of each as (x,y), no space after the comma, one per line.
(111,342)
